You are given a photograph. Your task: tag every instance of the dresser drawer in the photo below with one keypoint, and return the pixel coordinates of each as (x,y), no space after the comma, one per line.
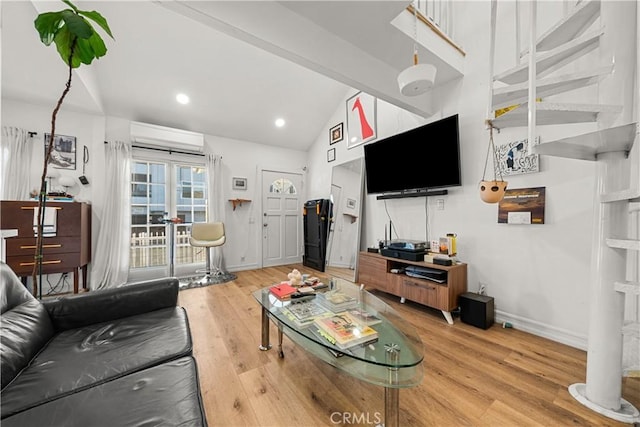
(22,265)
(422,291)
(50,245)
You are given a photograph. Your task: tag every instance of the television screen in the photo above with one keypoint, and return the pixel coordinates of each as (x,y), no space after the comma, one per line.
(422,158)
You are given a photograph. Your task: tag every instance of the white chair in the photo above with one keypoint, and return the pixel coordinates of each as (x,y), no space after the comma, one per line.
(207,235)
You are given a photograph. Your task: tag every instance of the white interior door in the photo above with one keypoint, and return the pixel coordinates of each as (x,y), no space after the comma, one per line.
(281,218)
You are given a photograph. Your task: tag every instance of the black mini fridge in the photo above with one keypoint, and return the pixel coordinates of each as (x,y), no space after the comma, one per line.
(317,217)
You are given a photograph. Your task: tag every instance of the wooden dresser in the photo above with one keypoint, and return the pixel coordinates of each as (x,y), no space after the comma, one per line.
(68,251)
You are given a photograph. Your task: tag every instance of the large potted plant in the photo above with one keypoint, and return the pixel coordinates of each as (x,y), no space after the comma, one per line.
(77,43)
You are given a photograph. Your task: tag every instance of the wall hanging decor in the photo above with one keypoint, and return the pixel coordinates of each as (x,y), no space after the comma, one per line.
(513,158)
(63,151)
(331,155)
(522,206)
(239,183)
(361,119)
(492,191)
(336,134)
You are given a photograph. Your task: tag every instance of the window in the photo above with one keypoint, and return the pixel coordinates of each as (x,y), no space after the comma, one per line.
(160,191)
(282,185)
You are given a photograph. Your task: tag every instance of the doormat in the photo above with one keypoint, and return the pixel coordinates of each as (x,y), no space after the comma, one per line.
(194,282)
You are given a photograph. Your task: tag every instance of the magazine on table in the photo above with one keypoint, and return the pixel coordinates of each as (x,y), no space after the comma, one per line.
(345,330)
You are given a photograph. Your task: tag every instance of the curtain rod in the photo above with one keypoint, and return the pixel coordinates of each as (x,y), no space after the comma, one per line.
(166,150)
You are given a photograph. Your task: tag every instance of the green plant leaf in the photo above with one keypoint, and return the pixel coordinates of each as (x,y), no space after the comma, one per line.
(98,19)
(63,41)
(71,5)
(99,48)
(48,25)
(77,25)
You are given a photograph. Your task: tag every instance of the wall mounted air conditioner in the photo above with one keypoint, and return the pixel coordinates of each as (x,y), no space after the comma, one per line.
(154,136)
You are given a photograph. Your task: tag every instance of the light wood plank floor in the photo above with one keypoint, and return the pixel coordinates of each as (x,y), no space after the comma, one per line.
(473,377)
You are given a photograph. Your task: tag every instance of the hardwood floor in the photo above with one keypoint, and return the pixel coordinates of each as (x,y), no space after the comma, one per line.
(473,377)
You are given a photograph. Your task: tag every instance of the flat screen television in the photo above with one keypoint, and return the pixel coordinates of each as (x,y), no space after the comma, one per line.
(423,158)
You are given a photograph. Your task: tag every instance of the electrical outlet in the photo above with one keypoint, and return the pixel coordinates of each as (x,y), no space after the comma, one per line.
(482,288)
(440,204)
(241,259)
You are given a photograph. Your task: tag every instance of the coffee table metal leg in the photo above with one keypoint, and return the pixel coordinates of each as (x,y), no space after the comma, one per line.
(264,346)
(391,394)
(280,351)
(391,407)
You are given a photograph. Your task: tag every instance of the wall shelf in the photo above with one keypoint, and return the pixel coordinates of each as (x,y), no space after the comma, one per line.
(238,202)
(353,218)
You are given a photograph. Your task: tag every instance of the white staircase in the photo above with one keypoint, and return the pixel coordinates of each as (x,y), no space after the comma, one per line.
(614,334)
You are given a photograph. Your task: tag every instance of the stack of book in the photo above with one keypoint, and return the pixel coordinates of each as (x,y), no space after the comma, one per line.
(365,317)
(345,331)
(303,314)
(337,301)
(283,291)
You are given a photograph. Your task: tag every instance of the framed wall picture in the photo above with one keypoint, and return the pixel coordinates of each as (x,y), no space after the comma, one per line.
(63,152)
(514,159)
(522,206)
(361,119)
(331,154)
(351,203)
(239,183)
(336,134)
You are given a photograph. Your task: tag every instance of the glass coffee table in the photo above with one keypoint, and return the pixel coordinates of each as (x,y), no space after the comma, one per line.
(393,361)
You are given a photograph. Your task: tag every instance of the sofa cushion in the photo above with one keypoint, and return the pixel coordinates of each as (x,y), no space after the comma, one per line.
(24,325)
(167,394)
(80,358)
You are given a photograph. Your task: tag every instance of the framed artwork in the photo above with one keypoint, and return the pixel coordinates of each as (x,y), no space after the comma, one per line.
(63,152)
(522,206)
(336,134)
(513,158)
(239,183)
(351,203)
(361,119)
(331,154)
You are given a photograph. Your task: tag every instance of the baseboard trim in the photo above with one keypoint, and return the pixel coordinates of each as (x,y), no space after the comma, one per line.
(540,329)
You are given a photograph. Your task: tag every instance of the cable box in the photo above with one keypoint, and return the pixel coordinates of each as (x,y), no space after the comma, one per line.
(408,255)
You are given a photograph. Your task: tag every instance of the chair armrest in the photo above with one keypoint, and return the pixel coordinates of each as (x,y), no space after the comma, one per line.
(76,311)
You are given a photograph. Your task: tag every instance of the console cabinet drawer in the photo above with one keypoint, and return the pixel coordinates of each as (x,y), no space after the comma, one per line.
(421,291)
(22,265)
(372,272)
(50,245)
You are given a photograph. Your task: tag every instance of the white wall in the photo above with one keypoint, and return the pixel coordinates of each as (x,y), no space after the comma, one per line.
(539,275)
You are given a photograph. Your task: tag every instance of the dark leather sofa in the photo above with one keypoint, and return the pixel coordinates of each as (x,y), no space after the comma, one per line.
(117,357)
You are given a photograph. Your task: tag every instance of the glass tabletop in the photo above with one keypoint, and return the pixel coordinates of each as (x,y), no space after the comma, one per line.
(391,358)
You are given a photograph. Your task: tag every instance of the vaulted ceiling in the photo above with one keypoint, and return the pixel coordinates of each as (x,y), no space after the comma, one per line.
(243,63)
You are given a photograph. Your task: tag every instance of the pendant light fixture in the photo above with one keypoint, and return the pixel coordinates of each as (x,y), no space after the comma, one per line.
(418,78)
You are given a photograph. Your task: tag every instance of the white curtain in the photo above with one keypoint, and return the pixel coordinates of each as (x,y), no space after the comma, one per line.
(16,148)
(111,260)
(215,196)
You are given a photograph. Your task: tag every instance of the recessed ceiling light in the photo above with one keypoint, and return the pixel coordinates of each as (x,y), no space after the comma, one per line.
(182,98)
(280,122)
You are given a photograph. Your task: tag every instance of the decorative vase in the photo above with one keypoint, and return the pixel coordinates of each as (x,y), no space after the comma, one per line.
(492,191)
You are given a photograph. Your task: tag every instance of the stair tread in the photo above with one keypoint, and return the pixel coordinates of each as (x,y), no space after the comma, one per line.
(518,93)
(552,60)
(628,287)
(624,244)
(575,24)
(588,146)
(553,113)
(630,194)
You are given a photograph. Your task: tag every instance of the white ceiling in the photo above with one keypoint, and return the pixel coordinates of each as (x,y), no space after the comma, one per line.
(242,63)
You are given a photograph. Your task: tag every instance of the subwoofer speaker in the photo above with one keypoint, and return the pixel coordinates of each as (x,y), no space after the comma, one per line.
(477,310)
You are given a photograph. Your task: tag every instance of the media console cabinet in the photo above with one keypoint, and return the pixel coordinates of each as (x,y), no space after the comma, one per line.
(374,271)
